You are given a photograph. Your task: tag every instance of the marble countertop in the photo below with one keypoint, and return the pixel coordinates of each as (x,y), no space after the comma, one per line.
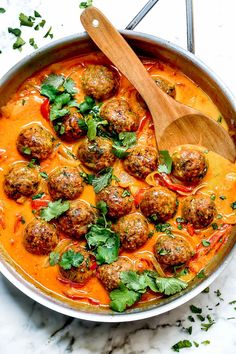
(27,327)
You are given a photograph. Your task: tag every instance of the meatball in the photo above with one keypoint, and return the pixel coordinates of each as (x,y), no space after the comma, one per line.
(159,204)
(35,141)
(118,203)
(69,129)
(75,222)
(119,116)
(83,272)
(96,154)
(172,251)
(198,210)
(109,274)
(189,165)
(133,230)
(65,183)
(100,82)
(40,237)
(141,161)
(21,181)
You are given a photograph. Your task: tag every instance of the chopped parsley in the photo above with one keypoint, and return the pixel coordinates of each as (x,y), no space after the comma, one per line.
(220,118)
(26,150)
(206,243)
(33,163)
(233,205)
(18,43)
(121,144)
(27,21)
(54,258)
(54,210)
(37,196)
(206,326)
(85,4)
(201,274)
(43,175)
(213,197)
(206,342)
(195,309)
(214,226)
(48,33)
(126,193)
(15,31)
(166,228)
(222,197)
(181,344)
(191,318)
(88,178)
(165,164)
(37,14)
(2,10)
(32,43)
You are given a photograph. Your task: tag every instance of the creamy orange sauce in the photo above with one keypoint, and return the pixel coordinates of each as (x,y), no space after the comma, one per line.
(219,181)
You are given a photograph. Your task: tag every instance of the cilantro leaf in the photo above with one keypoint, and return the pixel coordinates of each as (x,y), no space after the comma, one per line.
(26,150)
(122,298)
(32,43)
(71,258)
(2,10)
(119,151)
(133,281)
(15,31)
(104,242)
(195,309)
(37,196)
(48,33)
(43,175)
(85,4)
(54,258)
(37,14)
(54,80)
(49,91)
(165,165)
(181,344)
(102,206)
(69,86)
(18,43)
(26,20)
(86,105)
(102,180)
(170,286)
(88,178)
(54,210)
(128,139)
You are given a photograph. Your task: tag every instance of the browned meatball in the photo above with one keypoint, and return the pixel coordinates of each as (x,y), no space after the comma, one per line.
(21,181)
(40,237)
(199,210)
(69,129)
(96,154)
(100,82)
(83,272)
(172,251)
(117,203)
(109,274)
(35,141)
(65,183)
(75,222)
(119,116)
(189,165)
(166,86)
(141,161)
(159,204)
(133,230)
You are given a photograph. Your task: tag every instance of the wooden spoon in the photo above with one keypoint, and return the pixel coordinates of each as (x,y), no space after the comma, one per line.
(175,124)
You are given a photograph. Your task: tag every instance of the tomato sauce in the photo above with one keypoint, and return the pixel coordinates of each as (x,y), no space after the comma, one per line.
(25,107)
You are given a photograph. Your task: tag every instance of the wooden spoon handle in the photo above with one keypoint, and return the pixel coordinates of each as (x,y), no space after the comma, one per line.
(164,109)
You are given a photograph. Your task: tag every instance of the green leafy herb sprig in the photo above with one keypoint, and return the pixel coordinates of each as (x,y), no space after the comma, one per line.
(165,164)
(133,285)
(54,210)
(122,143)
(104,243)
(67,260)
(85,4)
(99,181)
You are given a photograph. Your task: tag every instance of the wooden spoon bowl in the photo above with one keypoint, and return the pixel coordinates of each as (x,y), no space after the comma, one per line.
(175,123)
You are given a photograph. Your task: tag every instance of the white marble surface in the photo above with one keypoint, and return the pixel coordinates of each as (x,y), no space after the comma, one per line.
(26,327)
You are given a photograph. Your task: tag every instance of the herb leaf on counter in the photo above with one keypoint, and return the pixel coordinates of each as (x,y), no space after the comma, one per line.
(27,21)
(15,31)
(2,10)
(85,4)
(181,344)
(104,243)
(18,43)
(54,210)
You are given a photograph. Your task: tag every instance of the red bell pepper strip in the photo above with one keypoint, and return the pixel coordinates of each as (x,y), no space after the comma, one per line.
(139,196)
(45,109)
(142,124)
(18,222)
(165,180)
(37,204)
(190,229)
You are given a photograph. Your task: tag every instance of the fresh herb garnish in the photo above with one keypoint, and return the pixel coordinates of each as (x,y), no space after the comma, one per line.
(26,150)
(37,196)
(206,342)
(37,14)
(195,309)
(54,258)
(15,31)
(32,43)
(201,274)
(18,43)
(104,243)
(70,259)
(102,180)
(165,164)
(222,197)
(191,318)
(85,4)
(233,205)
(43,175)
(122,143)
(48,33)
(206,326)
(33,163)
(126,193)
(214,226)
(54,210)
(88,178)
(26,20)
(189,330)
(166,228)
(2,10)
(213,197)
(181,344)
(133,285)
(206,243)
(219,119)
